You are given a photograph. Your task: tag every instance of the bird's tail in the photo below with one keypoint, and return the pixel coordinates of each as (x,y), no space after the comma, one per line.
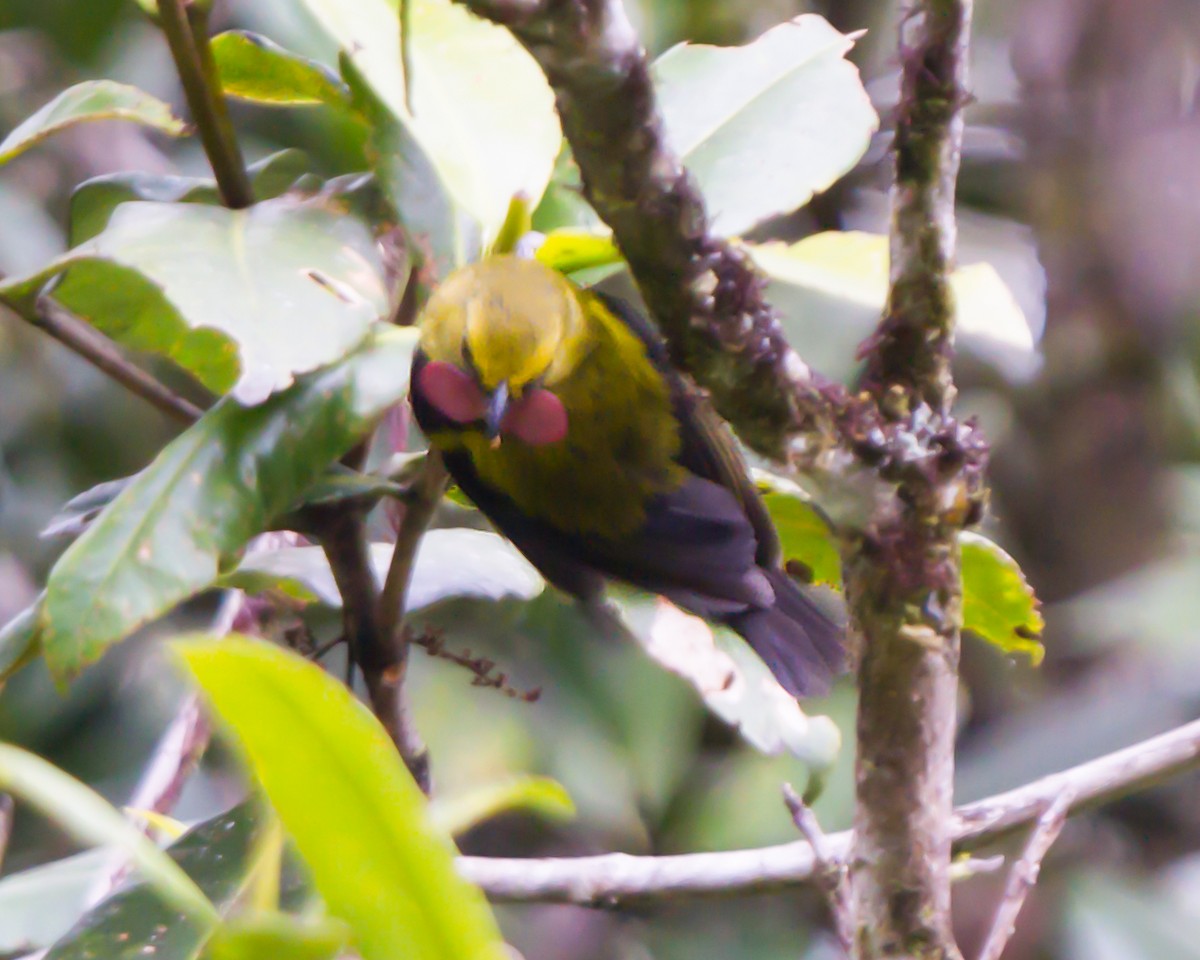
(801,644)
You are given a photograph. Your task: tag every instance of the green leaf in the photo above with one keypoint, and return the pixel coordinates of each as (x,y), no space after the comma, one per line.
(90,819)
(504,136)
(540,795)
(735,684)
(92,100)
(205,495)
(278,936)
(323,759)
(999,606)
(804,536)
(219,855)
(449,563)
(240,298)
(254,68)
(764,126)
(831,288)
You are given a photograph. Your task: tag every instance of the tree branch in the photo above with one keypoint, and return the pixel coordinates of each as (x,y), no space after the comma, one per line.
(1024,874)
(424,495)
(903,576)
(185,24)
(617,878)
(343,536)
(103,354)
(829,871)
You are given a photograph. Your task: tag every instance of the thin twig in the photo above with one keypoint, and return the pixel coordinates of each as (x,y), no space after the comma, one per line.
(483,669)
(617,878)
(185,25)
(424,494)
(104,355)
(1024,873)
(383,663)
(829,871)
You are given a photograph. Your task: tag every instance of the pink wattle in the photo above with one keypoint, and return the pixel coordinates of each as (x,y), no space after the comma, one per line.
(452,391)
(538,418)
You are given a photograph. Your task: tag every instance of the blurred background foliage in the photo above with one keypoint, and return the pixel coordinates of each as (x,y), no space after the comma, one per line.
(1080,184)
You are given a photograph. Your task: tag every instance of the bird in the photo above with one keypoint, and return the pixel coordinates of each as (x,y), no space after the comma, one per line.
(558,413)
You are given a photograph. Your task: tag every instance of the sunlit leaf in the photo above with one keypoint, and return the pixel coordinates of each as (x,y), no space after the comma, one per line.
(205,495)
(241,298)
(133,924)
(504,136)
(92,100)
(449,563)
(89,818)
(999,605)
(336,780)
(254,68)
(735,684)
(831,289)
(764,126)
(539,795)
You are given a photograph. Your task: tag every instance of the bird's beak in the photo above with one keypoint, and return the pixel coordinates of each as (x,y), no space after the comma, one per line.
(497,407)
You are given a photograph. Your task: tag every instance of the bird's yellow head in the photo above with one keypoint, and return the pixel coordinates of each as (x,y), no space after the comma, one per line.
(496,334)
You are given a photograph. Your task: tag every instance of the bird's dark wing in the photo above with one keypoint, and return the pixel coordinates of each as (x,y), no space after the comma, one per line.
(695,546)
(708,450)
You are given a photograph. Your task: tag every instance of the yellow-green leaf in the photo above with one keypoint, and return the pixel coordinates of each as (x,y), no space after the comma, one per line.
(805,537)
(255,68)
(357,818)
(999,605)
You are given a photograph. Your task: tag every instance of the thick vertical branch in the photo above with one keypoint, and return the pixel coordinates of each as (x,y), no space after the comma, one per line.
(903,575)
(913,346)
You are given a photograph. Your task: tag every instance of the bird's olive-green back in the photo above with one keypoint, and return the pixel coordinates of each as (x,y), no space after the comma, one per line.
(622,437)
